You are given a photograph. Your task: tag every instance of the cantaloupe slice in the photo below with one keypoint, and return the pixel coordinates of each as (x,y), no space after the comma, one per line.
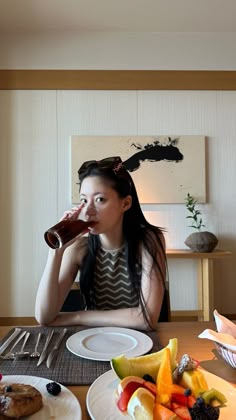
(164,380)
(161,412)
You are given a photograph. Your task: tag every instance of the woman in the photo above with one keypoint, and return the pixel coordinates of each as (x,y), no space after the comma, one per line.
(122,261)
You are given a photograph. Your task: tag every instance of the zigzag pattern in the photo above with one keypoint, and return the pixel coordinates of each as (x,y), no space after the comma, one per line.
(107,304)
(109,272)
(112,285)
(109,260)
(108,288)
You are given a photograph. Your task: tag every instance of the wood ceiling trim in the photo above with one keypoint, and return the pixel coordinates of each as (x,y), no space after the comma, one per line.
(117,80)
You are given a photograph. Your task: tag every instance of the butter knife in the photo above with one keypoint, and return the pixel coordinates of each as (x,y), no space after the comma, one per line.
(44,352)
(10,339)
(53,352)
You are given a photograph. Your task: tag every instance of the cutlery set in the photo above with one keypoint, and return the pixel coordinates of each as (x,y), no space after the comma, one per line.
(17,355)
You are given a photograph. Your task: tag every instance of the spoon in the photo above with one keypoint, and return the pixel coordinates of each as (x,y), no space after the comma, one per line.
(21,354)
(35,352)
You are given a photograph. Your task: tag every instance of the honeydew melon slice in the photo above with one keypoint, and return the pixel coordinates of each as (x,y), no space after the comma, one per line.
(147,364)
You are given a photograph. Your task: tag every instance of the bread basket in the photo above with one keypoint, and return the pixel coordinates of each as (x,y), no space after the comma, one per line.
(224,338)
(228,355)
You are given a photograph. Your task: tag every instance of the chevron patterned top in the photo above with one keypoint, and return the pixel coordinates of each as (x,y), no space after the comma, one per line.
(112,285)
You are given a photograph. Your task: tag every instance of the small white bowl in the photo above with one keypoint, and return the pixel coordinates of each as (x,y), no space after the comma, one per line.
(228,355)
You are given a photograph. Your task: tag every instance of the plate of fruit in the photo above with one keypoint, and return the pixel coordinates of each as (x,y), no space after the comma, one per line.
(156,387)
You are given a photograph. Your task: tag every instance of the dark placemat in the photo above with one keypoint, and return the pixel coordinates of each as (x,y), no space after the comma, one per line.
(67,368)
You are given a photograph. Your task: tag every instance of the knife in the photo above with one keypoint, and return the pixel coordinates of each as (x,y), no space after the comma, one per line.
(10,339)
(44,352)
(55,348)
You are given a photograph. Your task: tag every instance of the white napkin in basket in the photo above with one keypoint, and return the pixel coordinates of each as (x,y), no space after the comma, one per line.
(224,325)
(225,334)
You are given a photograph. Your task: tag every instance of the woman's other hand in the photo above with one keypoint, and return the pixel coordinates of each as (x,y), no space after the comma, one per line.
(72,214)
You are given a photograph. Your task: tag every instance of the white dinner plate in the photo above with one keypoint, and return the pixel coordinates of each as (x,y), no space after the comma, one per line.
(101,397)
(64,406)
(104,343)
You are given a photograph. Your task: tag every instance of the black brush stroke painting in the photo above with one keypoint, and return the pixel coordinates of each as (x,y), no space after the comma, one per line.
(154,152)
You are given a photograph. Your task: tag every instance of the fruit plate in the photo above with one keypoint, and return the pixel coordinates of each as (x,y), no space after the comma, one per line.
(104,343)
(64,406)
(101,397)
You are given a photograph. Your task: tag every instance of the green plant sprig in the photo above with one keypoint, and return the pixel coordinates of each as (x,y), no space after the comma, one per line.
(195,214)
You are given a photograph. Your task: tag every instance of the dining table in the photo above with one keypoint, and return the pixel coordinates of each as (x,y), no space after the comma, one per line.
(188,342)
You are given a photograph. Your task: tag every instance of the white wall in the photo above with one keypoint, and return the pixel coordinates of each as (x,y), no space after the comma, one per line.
(119,51)
(34,148)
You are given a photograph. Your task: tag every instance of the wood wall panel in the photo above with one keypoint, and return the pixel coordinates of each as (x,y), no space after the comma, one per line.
(35,177)
(90,113)
(118,79)
(28,194)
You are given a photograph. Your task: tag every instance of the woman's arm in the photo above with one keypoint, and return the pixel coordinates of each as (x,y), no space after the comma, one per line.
(153,282)
(59,273)
(126,318)
(153,292)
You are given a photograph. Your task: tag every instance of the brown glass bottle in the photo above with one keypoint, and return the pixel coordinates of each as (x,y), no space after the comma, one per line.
(64,231)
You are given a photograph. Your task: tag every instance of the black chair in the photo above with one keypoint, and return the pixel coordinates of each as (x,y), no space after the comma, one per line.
(73,302)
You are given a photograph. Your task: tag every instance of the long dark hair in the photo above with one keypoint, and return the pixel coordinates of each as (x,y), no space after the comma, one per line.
(136,230)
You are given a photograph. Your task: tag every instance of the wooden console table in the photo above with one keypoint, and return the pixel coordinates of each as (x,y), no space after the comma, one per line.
(204,280)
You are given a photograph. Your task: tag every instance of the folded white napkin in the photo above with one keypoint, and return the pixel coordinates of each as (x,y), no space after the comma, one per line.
(224,325)
(226,332)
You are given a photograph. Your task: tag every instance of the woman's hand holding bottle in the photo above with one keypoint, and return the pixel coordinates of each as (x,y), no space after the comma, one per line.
(72,214)
(67,229)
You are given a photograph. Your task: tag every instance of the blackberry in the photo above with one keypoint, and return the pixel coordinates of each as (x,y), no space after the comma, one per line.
(213,413)
(148,378)
(204,412)
(53,388)
(196,412)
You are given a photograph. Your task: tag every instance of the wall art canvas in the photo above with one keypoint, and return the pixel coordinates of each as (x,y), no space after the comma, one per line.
(164,168)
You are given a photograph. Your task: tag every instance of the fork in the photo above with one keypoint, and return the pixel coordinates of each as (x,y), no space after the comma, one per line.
(10,355)
(21,354)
